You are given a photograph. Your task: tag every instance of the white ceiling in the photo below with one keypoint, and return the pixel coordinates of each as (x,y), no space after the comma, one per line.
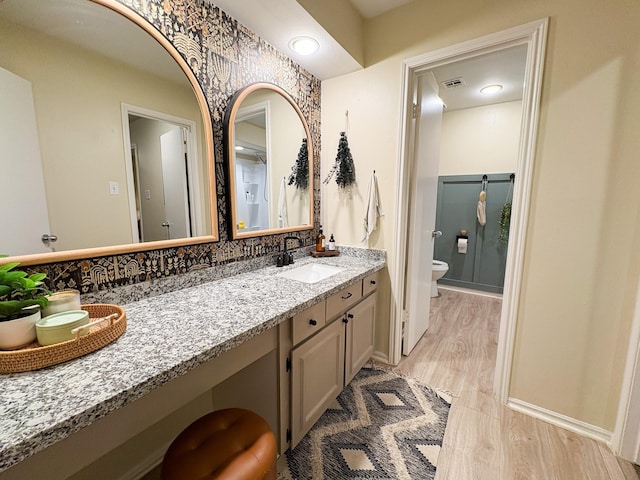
(278,21)
(504,67)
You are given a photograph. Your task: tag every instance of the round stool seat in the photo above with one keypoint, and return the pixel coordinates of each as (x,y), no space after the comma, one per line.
(226,444)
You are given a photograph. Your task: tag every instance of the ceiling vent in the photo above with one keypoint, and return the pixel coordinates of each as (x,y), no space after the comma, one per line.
(454,82)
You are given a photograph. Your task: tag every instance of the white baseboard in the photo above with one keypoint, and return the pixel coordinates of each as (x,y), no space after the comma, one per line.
(581,428)
(381,357)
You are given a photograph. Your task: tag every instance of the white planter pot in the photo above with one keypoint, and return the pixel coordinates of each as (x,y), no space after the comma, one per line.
(19,332)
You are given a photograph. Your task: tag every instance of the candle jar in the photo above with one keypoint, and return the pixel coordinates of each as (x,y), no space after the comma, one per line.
(62,301)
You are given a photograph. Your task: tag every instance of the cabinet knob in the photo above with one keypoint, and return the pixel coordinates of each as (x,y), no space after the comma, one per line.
(348,295)
(313,322)
(350,315)
(345,319)
(373,282)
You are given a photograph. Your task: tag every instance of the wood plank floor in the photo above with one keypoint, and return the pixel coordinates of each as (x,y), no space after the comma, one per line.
(484,440)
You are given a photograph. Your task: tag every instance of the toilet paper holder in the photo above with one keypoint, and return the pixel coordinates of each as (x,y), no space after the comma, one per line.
(462,240)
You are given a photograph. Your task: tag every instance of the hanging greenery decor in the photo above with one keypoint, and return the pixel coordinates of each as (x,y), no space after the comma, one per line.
(343,168)
(300,170)
(505,221)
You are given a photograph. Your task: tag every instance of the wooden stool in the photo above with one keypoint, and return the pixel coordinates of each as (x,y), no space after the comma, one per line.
(231,444)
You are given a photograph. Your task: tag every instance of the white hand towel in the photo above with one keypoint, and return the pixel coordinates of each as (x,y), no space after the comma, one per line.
(374,208)
(482,212)
(283,220)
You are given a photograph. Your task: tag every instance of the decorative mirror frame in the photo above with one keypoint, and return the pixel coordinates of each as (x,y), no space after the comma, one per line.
(53,257)
(229,142)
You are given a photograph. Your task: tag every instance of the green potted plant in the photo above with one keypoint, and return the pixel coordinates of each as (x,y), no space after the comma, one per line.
(22,295)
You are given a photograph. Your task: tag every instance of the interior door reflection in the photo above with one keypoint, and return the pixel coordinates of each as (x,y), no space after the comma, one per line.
(160,179)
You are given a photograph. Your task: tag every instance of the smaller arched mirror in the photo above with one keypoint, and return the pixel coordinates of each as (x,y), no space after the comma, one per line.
(269,163)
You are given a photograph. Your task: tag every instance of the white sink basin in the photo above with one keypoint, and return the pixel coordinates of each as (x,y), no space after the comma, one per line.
(310,273)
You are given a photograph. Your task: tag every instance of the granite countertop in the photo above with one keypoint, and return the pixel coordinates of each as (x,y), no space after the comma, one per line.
(167,335)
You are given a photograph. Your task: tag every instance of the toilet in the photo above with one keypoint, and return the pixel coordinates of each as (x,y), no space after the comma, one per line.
(437,272)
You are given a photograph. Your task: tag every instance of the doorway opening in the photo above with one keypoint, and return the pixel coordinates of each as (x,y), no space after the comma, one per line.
(476,174)
(532,36)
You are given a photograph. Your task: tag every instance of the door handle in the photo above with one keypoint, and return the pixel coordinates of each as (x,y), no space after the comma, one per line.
(436,234)
(48,239)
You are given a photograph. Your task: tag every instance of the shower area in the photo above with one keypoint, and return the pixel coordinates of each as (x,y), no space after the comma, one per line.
(252,191)
(473,214)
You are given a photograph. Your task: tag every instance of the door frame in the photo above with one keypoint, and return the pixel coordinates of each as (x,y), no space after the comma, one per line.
(625,440)
(533,35)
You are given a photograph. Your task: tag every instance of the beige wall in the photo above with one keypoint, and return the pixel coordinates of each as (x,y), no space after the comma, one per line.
(78,98)
(577,296)
(480,140)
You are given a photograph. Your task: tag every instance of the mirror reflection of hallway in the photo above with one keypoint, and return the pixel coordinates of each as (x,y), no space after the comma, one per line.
(160,175)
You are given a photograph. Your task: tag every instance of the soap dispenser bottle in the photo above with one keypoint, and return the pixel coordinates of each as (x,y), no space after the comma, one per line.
(332,243)
(320,241)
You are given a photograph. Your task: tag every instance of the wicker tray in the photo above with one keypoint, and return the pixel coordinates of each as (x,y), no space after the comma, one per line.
(34,356)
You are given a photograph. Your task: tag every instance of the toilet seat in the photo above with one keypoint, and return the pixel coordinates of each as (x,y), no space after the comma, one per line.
(438,265)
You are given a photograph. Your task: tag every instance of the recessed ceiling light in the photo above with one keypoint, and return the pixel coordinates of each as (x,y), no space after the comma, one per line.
(304,45)
(490,89)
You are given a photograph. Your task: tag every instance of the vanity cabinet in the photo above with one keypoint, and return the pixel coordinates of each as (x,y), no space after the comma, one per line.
(328,351)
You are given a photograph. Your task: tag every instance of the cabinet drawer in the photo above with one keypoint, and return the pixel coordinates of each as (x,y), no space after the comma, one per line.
(308,322)
(369,284)
(339,302)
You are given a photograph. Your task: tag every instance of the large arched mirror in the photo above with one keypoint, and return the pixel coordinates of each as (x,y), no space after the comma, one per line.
(269,163)
(105,135)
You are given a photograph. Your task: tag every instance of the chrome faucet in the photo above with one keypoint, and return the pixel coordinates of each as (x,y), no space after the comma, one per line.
(285,258)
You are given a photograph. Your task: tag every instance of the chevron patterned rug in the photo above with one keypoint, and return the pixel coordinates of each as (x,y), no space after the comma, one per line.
(382,426)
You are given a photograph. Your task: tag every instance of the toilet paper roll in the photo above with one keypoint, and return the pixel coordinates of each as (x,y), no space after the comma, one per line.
(462,245)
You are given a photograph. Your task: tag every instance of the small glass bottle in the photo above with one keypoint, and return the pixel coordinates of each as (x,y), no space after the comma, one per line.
(320,241)
(332,243)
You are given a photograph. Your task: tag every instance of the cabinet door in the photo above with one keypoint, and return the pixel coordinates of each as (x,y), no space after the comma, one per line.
(360,336)
(317,378)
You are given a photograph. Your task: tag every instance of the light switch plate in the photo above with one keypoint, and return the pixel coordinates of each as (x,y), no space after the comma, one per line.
(114,188)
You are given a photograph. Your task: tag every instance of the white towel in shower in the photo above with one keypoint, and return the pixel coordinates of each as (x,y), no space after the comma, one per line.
(374,208)
(283,220)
